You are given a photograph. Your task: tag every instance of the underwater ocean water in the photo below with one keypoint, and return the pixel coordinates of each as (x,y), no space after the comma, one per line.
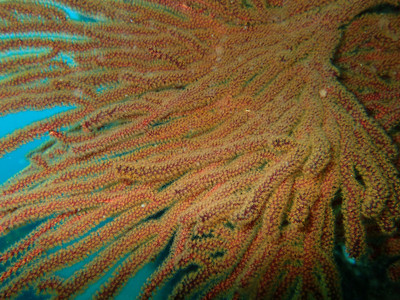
(358,279)
(16,161)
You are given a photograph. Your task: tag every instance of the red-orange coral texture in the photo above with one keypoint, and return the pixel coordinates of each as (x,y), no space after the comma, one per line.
(235,145)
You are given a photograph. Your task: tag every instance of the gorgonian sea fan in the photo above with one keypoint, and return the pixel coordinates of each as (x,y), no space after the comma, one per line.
(235,142)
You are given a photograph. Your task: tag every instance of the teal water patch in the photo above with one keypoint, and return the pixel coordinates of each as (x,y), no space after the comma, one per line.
(167,289)
(23,52)
(67,58)
(30,294)
(52,36)
(71,13)
(13,162)
(19,120)
(93,288)
(103,88)
(134,285)
(16,235)
(346,255)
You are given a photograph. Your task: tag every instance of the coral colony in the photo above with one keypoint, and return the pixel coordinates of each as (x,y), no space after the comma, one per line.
(236,145)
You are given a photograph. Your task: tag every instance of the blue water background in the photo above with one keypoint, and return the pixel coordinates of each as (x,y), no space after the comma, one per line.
(15,161)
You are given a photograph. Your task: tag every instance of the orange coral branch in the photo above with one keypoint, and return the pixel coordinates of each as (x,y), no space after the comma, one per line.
(234,142)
